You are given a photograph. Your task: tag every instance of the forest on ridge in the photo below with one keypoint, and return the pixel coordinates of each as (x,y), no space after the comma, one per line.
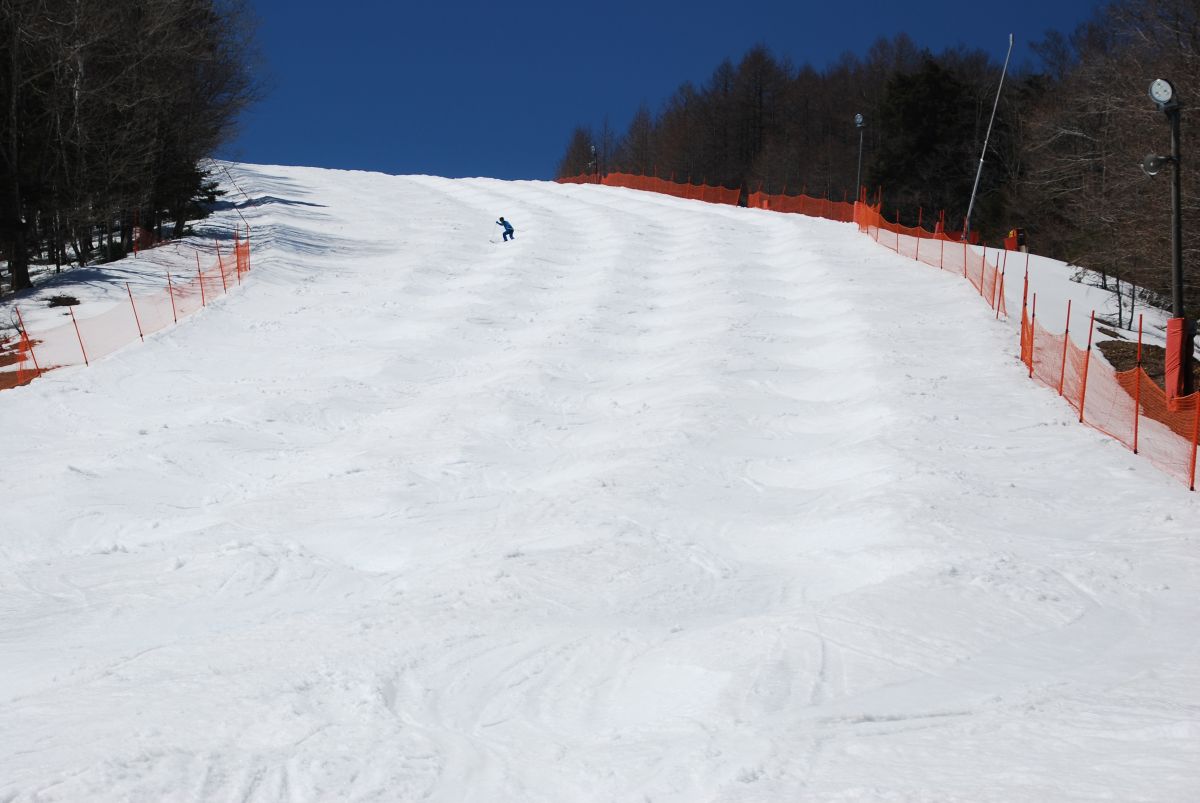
(1063,160)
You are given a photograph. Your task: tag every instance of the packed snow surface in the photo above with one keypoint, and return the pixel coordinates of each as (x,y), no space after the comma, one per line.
(661,501)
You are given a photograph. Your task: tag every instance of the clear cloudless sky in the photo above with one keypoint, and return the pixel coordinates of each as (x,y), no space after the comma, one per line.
(471,89)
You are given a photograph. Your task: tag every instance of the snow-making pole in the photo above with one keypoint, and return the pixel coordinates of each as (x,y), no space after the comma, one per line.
(987,136)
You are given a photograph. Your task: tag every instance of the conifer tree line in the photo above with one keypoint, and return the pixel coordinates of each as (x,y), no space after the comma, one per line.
(107,109)
(1063,161)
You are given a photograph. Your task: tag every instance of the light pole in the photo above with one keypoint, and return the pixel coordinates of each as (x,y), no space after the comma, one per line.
(1164,97)
(858,122)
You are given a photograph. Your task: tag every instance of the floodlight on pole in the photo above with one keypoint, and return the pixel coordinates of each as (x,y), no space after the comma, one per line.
(1162,92)
(1153,164)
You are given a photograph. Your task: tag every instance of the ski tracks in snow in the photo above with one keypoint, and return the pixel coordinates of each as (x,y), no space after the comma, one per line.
(660,500)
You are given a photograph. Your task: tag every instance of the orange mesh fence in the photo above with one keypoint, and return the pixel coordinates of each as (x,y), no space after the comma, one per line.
(800,204)
(89,334)
(803,205)
(144,239)
(1169,431)
(585,178)
(696,192)
(15,355)
(1125,405)
(984,268)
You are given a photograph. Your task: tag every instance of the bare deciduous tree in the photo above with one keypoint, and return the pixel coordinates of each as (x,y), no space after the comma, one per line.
(109,108)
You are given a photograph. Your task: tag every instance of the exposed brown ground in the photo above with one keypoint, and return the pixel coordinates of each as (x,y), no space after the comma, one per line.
(1123,356)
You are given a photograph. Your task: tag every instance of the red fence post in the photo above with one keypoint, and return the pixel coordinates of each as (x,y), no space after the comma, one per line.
(200,276)
(1195,441)
(982,269)
(1062,373)
(920,214)
(78,335)
(28,340)
(1087,356)
(1001,302)
(1032,335)
(22,348)
(221,267)
(171,295)
(237,253)
(1000,270)
(1137,391)
(135,315)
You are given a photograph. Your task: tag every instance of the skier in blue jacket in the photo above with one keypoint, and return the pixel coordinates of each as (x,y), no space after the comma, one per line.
(508,229)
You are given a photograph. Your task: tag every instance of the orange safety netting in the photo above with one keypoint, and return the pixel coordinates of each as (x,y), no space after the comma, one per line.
(14,357)
(983,268)
(1125,405)
(90,337)
(695,192)
(803,205)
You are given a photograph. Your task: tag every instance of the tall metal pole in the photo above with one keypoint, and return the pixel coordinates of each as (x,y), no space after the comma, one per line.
(979,172)
(1177,306)
(1180,345)
(858,176)
(1177,310)
(858,122)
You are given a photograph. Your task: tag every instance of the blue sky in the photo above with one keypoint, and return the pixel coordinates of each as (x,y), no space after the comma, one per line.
(470,89)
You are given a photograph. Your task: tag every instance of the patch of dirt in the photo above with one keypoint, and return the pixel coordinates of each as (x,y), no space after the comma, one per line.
(10,354)
(1122,355)
(62,301)
(8,379)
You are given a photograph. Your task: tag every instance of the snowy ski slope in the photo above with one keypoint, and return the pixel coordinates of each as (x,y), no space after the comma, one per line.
(661,501)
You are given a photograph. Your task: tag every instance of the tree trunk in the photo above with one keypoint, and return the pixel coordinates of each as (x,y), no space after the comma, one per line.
(57,244)
(126,233)
(12,227)
(18,259)
(180,220)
